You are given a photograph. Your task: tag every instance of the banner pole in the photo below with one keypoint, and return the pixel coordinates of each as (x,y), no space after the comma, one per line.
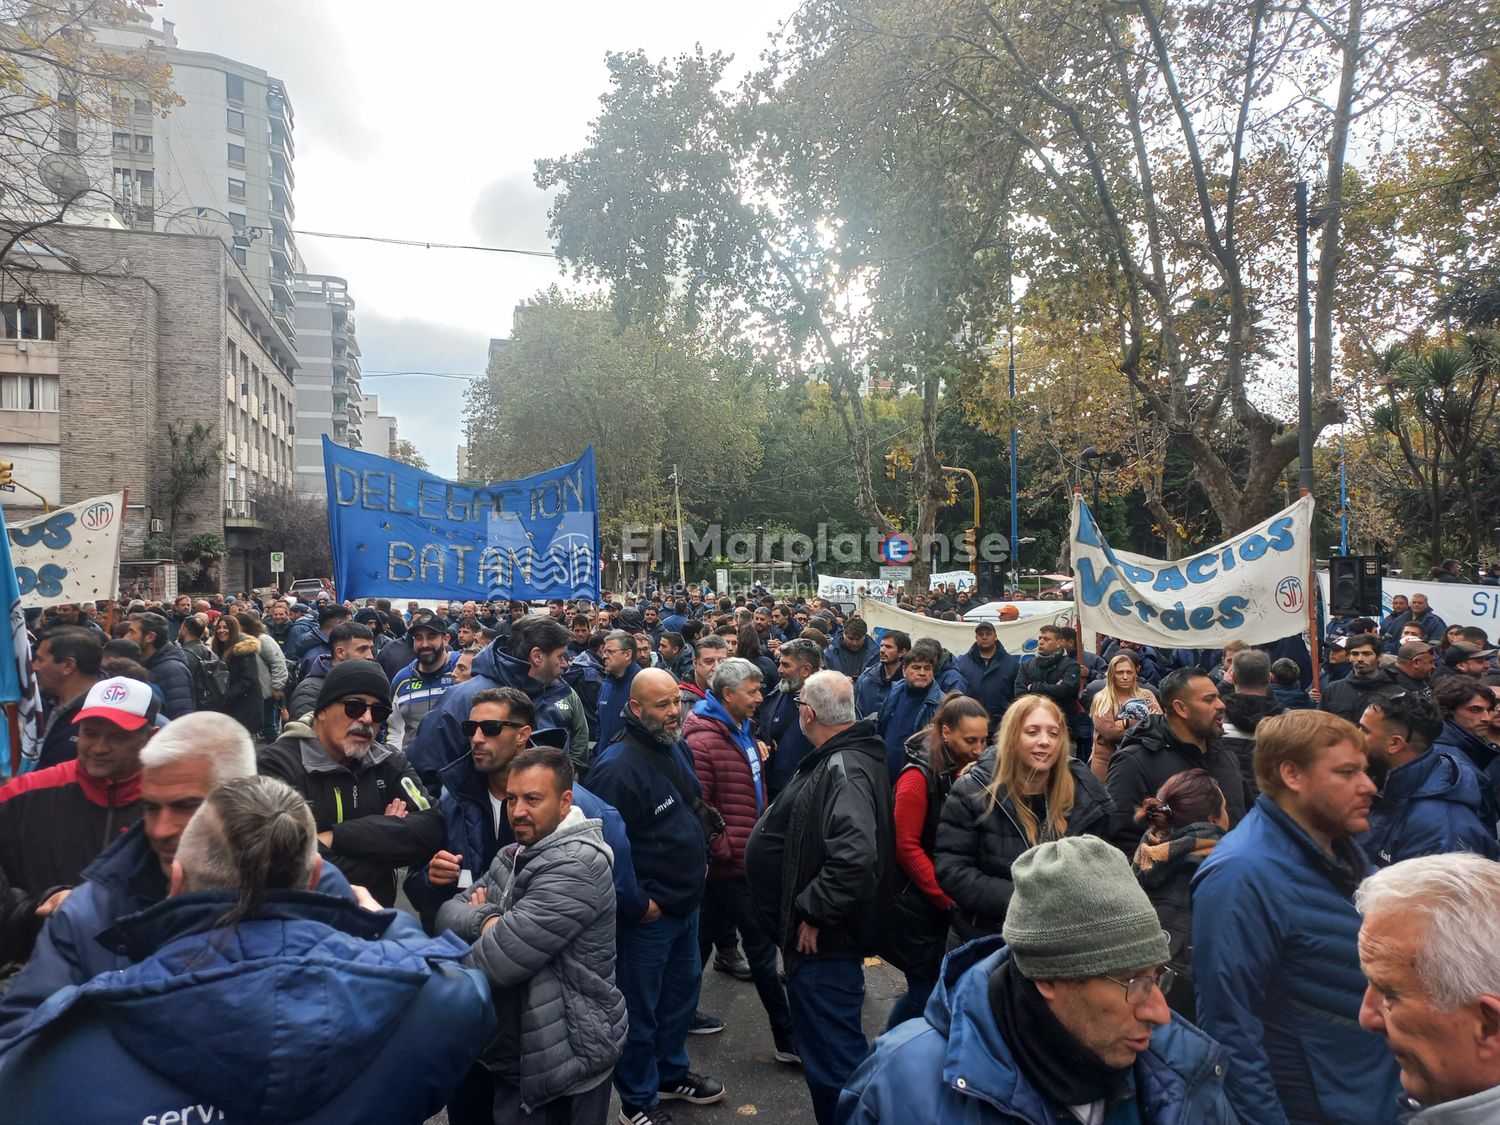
(1312,612)
(13,724)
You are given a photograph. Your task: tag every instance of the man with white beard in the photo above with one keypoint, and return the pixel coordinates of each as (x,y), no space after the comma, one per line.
(372,813)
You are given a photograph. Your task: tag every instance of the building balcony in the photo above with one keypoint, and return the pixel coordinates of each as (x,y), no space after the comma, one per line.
(281,170)
(285,316)
(281,290)
(281,255)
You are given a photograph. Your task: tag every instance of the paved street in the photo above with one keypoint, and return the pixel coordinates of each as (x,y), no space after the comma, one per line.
(740,1056)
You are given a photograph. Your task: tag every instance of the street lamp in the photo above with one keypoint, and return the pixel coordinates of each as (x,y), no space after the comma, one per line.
(1095,463)
(1015,560)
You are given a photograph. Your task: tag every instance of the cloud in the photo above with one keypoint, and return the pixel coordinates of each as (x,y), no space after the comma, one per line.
(512,211)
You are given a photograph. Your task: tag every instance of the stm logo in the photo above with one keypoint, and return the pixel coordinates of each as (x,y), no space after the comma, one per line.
(96,517)
(115,693)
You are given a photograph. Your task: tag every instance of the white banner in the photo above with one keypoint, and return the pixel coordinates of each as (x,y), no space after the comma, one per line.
(70,554)
(1018,636)
(836,589)
(961,579)
(1457,603)
(1251,588)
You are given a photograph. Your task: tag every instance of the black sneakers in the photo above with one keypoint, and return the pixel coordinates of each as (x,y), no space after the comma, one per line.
(733,963)
(696,1088)
(786,1051)
(650,1115)
(705,1024)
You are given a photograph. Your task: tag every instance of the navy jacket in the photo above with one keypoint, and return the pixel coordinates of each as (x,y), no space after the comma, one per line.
(841,659)
(1484,757)
(614,693)
(469,822)
(1429,806)
(906,711)
(1276,965)
(315,1010)
(954,1067)
(777,724)
(169,671)
(992,681)
(441,740)
(667,844)
(871,690)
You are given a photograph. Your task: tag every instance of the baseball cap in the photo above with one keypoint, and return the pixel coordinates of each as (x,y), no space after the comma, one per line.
(1457,653)
(1412,649)
(425,619)
(127,703)
(984,627)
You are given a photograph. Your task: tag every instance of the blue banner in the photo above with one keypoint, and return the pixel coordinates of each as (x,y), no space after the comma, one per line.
(400,532)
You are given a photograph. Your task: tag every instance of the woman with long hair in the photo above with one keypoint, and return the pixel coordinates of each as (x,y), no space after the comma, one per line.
(749,649)
(1183,824)
(1026,789)
(935,757)
(1119,704)
(272,669)
(243,701)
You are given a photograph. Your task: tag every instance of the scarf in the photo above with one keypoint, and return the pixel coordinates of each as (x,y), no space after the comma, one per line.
(1061,1068)
(1159,854)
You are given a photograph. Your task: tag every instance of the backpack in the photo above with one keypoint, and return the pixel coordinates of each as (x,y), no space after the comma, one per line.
(210,680)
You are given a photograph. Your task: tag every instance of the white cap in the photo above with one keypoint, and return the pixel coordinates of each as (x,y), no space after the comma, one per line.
(127,703)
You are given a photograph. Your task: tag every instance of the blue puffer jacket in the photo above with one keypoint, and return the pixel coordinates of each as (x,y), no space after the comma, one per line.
(313,1011)
(1180,1076)
(851,662)
(614,693)
(79,942)
(992,681)
(1276,965)
(469,822)
(1484,757)
(1427,807)
(441,740)
(302,635)
(778,725)
(871,690)
(906,711)
(169,671)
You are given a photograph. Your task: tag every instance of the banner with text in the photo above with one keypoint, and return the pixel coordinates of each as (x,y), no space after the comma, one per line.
(1018,635)
(1457,603)
(834,588)
(1251,588)
(961,579)
(70,554)
(401,532)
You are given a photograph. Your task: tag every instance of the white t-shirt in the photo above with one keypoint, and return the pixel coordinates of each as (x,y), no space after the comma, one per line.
(497,806)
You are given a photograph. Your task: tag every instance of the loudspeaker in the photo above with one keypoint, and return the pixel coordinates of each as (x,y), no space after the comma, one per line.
(1354,586)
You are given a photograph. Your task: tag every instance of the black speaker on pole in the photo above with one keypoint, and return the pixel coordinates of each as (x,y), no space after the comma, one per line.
(1354,586)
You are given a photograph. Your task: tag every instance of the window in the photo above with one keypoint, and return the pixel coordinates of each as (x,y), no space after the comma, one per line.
(236,189)
(67,139)
(235,120)
(240,255)
(237,220)
(28,392)
(234,87)
(67,100)
(143,107)
(28,322)
(237,155)
(142,142)
(122,142)
(145,180)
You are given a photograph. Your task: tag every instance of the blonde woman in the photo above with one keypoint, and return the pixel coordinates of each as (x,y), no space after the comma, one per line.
(1025,789)
(1112,717)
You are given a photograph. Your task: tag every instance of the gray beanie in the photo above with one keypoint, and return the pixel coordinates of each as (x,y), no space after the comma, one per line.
(354,677)
(1077,911)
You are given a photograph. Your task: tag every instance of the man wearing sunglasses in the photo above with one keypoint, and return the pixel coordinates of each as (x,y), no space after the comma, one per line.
(1061,1019)
(373,814)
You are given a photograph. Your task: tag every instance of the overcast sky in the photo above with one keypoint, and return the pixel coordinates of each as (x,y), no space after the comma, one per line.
(423,121)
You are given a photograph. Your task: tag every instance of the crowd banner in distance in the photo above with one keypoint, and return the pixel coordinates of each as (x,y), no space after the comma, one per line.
(401,532)
(1252,588)
(70,554)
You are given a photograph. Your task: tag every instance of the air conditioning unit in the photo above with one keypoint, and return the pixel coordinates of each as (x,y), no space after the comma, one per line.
(21,347)
(156,527)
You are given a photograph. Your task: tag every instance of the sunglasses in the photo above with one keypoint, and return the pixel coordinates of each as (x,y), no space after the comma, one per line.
(491,727)
(356,708)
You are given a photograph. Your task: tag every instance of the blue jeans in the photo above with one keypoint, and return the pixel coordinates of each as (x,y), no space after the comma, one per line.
(727,908)
(658,972)
(828,1000)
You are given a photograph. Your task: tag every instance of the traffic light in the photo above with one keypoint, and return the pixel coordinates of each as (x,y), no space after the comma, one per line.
(6,468)
(968,541)
(890,466)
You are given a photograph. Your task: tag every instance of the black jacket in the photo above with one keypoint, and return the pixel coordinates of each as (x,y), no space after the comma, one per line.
(1056,676)
(976,846)
(1348,698)
(825,851)
(1148,756)
(1242,714)
(350,801)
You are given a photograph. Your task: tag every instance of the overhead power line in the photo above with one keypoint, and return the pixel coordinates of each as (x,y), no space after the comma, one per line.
(423,244)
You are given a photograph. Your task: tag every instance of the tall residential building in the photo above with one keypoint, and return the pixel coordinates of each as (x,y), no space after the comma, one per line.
(329,398)
(119,340)
(219,164)
(379,431)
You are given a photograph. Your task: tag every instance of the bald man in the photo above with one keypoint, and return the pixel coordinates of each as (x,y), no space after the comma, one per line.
(647,775)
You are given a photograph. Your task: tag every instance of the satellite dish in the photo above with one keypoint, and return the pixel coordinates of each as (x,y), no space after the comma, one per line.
(204,222)
(64,175)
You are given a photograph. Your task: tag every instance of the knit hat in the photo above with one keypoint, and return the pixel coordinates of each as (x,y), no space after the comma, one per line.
(1077,911)
(354,677)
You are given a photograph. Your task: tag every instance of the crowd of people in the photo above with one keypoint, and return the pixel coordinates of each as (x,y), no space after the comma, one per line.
(478,857)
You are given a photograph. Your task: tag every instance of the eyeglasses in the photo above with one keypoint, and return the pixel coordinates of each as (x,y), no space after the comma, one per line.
(491,727)
(356,708)
(1138,989)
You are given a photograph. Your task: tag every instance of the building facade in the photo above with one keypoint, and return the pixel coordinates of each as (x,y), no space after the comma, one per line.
(379,432)
(329,398)
(122,341)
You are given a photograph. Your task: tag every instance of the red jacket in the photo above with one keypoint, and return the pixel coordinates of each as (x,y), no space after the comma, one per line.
(724,774)
(53,822)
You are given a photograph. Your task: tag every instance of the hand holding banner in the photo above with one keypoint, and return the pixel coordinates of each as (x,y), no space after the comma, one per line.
(1251,588)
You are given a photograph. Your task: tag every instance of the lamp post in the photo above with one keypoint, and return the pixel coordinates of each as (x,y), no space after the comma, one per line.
(1016,545)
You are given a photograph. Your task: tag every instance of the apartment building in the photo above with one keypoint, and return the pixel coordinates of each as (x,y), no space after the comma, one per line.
(329,398)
